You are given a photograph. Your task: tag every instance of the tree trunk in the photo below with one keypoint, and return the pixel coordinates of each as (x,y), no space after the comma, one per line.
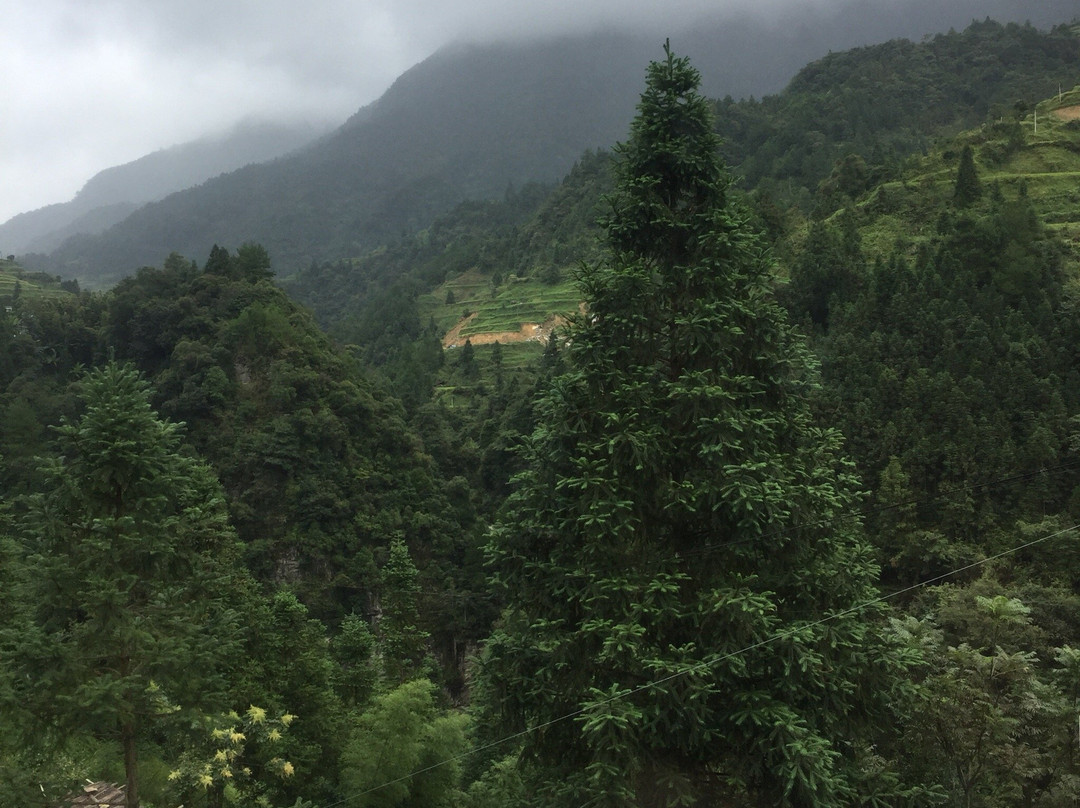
(131,765)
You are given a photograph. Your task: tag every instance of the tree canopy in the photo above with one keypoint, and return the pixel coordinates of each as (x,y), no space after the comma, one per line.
(684,582)
(125,555)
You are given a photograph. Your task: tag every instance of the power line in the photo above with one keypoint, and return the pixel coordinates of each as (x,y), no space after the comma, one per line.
(869,511)
(947,495)
(706,664)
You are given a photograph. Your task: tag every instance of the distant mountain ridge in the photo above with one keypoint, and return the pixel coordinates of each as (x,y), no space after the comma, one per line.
(467,123)
(111,195)
(848,123)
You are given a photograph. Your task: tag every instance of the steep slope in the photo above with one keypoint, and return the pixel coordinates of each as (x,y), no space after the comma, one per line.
(465,123)
(924,312)
(506,264)
(113,194)
(942,303)
(1033,158)
(318,467)
(887,101)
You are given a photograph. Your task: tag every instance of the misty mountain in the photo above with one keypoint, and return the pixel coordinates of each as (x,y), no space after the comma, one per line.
(471,121)
(111,195)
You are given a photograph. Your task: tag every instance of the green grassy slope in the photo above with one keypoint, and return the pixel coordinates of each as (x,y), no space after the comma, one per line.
(1037,157)
(16,281)
(479,309)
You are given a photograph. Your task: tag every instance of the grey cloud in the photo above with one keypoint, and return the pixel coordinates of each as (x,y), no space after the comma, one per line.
(103,83)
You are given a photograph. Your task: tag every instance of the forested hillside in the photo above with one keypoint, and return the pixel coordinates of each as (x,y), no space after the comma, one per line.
(329,495)
(777,503)
(112,195)
(887,101)
(849,121)
(471,120)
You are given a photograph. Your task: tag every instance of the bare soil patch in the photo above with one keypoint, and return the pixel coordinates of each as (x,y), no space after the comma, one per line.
(1068,113)
(529,332)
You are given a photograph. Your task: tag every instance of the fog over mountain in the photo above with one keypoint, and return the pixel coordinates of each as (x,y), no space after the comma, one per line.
(111,195)
(105,84)
(467,122)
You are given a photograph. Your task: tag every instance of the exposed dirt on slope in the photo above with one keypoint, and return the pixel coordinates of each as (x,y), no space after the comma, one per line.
(529,332)
(453,336)
(1068,113)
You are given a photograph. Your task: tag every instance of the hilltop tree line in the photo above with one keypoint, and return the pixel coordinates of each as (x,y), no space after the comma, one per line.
(744,534)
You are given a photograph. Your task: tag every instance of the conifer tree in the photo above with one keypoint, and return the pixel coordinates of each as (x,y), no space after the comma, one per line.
(968,188)
(404,641)
(125,553)
(682,573)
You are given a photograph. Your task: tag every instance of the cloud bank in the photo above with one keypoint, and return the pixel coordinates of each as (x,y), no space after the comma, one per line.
(91,85)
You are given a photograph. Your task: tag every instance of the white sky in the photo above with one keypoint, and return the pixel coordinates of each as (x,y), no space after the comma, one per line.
(88,84)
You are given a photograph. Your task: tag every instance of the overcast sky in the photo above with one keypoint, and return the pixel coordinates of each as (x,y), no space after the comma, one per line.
(88,84)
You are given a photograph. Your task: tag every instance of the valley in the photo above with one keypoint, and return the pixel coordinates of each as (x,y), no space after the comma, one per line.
(718,453)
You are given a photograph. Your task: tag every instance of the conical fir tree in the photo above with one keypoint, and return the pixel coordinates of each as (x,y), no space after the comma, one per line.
(404,641)
(968,188)
(681,568)
(127,556)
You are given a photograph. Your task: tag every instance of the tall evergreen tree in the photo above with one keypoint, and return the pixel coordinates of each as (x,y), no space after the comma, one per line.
(404,641)
(968,189)
(682,573)
(124,556)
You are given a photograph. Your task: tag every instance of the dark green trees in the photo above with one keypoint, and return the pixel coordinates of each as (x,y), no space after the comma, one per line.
(316,460)
(681,570)
(968,188)
(404,641)
(124,575)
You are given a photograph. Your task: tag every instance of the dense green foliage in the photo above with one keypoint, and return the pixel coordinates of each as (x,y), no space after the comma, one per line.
(954,364)
(402,733)
(669,580)
(883,102)
(677,536)
(323,482)
(122,575)
(318,465)
(968,189)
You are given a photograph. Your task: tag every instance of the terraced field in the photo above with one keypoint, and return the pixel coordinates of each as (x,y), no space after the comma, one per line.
(518,310)
(1045,168)
(1043,163)
(14,281)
